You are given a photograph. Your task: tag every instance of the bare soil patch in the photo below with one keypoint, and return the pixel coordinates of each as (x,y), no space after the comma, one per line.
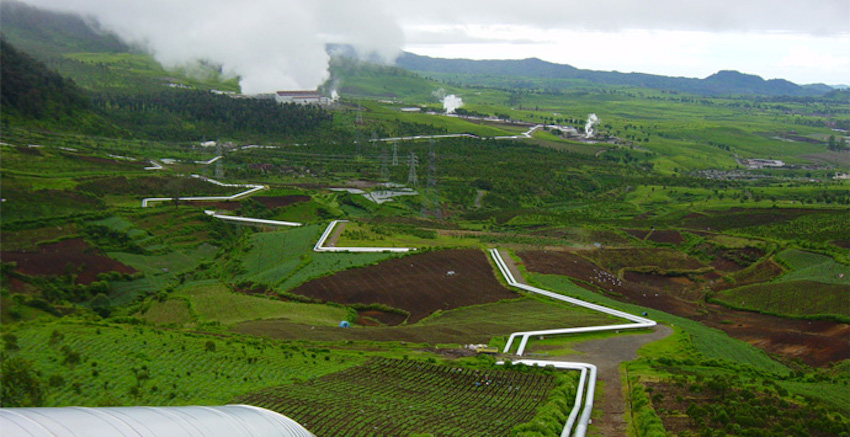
(666,236)
(640,234)
(227,206)
(816,343)
(667,259)
(65,257)
(842,243)
(418,284)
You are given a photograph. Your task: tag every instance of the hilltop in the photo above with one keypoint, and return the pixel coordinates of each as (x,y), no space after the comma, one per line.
(719,84)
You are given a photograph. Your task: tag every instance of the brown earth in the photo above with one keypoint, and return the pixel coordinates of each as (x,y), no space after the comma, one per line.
(667,259)
(842,243)
(666,236)
(640,234)
(418,284)
(68,256)
(816,343)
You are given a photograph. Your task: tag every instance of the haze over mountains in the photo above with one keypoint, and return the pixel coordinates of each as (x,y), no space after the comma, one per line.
(47,33)
(721,83)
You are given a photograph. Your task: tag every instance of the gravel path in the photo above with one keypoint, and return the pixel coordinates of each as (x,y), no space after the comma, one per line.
(331,241)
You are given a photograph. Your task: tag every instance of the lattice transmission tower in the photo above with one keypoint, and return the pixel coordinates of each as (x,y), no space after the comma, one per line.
(395,153)
(412,163)
(431,201)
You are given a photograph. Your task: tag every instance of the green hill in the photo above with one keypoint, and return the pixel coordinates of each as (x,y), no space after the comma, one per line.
(721,83)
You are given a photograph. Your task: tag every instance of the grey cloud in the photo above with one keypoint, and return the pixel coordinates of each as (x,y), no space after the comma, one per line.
(816,17)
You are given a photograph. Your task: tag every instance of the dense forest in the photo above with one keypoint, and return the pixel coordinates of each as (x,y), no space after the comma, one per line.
(29,89)
(193,114)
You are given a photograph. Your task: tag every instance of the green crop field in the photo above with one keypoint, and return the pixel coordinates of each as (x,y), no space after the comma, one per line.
(103,302)
(813,267)
(102,364)
(792,297)
(214,302)
(474,324)
(400,397)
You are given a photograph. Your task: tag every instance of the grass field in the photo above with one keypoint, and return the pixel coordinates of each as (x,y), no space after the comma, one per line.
(211,301)
(793,298)
(366,235)
(472,324)
(815,286)
(285,259)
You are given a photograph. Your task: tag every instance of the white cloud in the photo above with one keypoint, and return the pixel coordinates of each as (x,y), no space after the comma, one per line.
(271,44)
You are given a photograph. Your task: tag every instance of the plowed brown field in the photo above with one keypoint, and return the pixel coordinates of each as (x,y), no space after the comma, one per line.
(418,284)
(816,343)
(68,256)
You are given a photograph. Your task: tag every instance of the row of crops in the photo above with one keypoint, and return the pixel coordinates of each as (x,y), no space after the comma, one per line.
(397,397)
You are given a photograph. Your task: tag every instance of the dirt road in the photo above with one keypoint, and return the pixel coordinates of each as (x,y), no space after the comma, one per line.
(606,354)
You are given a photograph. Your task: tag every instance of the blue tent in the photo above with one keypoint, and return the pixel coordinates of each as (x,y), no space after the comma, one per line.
(344,324)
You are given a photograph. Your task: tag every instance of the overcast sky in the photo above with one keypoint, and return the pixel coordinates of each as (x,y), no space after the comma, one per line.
(278,44)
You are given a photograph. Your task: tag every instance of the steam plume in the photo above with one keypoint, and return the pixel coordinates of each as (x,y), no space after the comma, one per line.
(451,102)
(270,44)
(588,127)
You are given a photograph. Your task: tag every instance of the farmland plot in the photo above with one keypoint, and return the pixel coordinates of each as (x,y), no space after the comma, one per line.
(418,284)
(390,397)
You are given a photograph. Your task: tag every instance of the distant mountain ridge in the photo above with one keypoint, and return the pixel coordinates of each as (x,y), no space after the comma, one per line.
(725,82)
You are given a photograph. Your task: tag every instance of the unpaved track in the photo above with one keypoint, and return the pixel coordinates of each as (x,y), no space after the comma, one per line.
(606,354)
(331,241)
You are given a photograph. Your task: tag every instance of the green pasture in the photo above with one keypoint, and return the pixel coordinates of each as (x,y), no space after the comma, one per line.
(284,259)
(487,323)
(366,235)
(816,285)
(793,298)
(212,301)
(159,270)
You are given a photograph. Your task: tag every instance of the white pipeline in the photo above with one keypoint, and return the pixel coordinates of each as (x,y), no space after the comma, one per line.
(251,189)
(587,369)
(251,220)
(320,245)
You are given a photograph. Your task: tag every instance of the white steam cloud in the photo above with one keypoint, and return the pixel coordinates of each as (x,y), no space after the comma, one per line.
(270,44)
(451,102)
(588,127)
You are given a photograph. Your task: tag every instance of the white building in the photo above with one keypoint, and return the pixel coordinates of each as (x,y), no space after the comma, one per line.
(301,98)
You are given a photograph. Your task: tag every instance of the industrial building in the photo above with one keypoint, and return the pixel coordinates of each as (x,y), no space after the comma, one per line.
(302,98)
